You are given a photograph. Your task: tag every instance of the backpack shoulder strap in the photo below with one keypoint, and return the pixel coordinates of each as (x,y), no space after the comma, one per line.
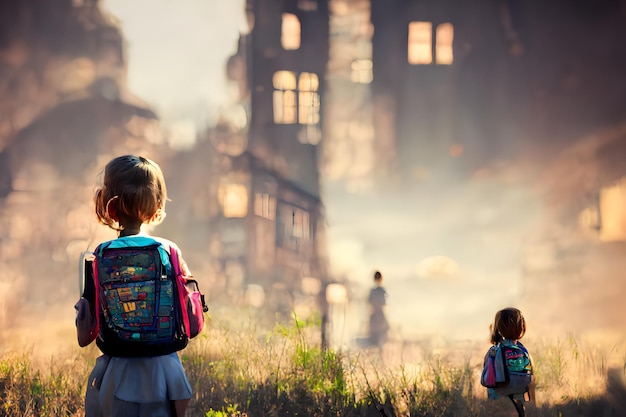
(85,263)
(180,285)
(502,374)
(174,259)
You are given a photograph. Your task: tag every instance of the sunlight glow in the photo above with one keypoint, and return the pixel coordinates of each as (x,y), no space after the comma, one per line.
(437,267)
(234,200)
(255,295)
(336,293)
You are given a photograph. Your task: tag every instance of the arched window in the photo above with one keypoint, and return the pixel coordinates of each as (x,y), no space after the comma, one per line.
(296,98)
(284,97)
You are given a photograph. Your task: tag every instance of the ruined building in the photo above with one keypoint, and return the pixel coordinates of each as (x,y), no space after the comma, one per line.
(335,98)
(246,206)
(375,95)
(416,86)
(65,111)
(261,207)
(454,93)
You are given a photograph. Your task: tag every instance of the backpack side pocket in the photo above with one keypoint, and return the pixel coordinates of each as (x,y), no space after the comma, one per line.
(192,301)
(488,375)
(494,374)
(86,323)
(195,307)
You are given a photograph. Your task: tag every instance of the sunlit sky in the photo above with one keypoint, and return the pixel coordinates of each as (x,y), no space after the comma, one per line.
(176,53)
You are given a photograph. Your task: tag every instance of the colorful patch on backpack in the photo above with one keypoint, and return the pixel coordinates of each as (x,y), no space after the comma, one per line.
(507,370)
(516,359)
(137,295)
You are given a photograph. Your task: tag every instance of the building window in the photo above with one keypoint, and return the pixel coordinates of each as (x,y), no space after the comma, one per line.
(296,98)
(308,99)
(300,227)
(293,227)
(362,71)
(284,97)
(265,206)
(290,32)
(444,37)
(420,50)
(422,44)
(233,199)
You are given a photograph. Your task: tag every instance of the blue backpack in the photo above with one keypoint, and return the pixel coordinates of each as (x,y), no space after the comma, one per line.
(507,369)
(141,302)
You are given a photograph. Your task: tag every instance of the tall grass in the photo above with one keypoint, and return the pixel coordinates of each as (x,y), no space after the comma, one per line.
(30,389)
(239,369)
(574,370)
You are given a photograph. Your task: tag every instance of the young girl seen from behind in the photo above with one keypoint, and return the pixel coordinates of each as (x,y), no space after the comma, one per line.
(125,382)
(508,328)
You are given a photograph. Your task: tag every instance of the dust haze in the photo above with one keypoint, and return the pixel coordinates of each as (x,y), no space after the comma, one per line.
(453,249)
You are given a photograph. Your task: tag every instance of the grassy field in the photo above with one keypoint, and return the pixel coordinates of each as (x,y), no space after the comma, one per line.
(237,369)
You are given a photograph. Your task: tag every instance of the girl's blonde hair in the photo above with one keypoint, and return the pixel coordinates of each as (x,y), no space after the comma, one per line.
(133,192)
(509,323)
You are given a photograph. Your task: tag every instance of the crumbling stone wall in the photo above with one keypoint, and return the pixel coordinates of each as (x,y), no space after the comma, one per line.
(65,111)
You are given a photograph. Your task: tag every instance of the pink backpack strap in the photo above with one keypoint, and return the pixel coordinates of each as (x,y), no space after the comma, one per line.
(180,285)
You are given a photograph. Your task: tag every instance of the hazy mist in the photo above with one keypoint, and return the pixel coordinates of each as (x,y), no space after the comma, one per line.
(452,249)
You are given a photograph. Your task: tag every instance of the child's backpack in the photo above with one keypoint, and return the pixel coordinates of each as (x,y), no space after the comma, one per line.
(507,369)
(146,306)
